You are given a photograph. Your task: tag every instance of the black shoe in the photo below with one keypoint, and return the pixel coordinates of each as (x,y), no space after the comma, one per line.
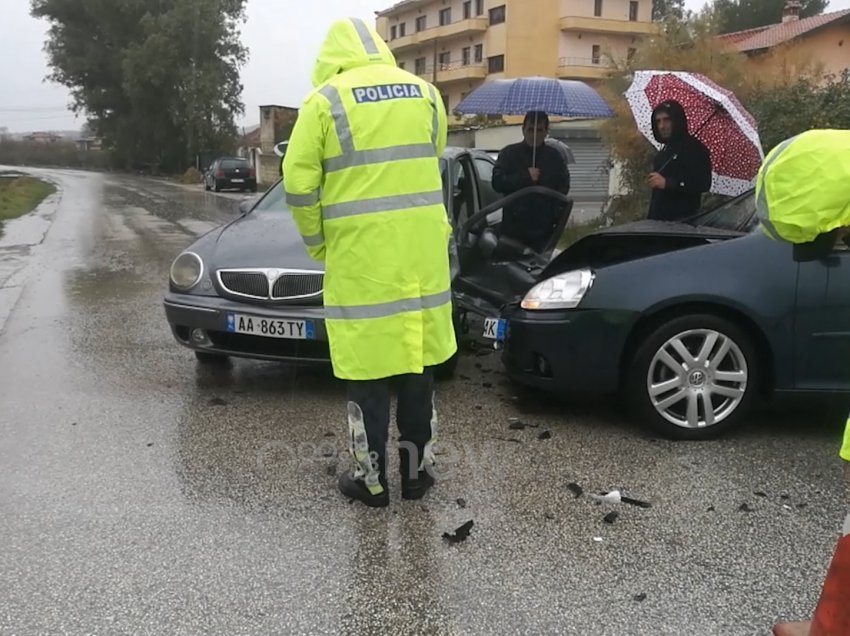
(416,488)
(356,489)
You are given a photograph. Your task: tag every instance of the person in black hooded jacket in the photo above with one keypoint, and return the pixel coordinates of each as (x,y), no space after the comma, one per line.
(681,170)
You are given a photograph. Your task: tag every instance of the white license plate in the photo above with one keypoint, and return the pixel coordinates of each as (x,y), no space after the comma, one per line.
(237,180)
(271,327)
(494,328)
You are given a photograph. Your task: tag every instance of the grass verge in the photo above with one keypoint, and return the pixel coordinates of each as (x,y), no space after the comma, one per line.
(21,195)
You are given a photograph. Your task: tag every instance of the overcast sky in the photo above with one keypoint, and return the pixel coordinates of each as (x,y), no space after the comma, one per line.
(282,46)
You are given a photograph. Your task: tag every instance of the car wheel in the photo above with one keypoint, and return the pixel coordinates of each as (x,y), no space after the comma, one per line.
(205,357)
(693,377)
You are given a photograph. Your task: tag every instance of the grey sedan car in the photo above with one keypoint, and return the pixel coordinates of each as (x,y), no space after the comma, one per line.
(249,289)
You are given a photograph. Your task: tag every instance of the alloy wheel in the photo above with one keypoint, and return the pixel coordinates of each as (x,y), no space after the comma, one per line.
(697,378)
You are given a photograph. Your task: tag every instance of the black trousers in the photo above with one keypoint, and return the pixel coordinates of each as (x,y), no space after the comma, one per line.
(369,418)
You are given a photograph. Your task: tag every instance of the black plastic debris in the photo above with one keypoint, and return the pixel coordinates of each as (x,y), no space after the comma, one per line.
(478,407)
(544,435)
(150,444)
(639,598)
(636,502)
(487,385)
(611,517)
(329,434)
(73,423)
(460,534)
(575,489)
(463,377)
(784,496)
(331,469)
(517,426)
(217,401)
(711,509)
(802,505)
(549,516)
(745,508)
(759,493)
(461,502)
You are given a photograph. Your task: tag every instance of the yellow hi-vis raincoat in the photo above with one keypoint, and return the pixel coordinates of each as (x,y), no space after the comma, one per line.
(802,186)
(803,190)
(362,178)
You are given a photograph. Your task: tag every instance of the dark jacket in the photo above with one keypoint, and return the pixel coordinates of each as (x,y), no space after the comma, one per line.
(685,163)
(532,218)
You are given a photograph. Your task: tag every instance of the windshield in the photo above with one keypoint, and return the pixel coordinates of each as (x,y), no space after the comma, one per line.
(272,200)
(738,214)
(229,164)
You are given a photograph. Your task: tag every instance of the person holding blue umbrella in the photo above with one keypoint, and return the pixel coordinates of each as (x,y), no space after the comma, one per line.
(531,219)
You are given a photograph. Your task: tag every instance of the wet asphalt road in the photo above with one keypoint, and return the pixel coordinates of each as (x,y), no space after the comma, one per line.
(141,494)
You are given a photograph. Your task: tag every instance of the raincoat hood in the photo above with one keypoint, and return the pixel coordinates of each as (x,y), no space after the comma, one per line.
(349,43)
(802,189)
(677,114)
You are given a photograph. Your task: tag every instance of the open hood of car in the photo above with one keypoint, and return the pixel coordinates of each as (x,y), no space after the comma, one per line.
(266,238)
(633,241)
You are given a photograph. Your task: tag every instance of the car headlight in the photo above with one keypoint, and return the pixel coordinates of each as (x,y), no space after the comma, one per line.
(186,270)
(564,291)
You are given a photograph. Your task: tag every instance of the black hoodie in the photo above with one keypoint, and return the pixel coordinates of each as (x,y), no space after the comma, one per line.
(686,165)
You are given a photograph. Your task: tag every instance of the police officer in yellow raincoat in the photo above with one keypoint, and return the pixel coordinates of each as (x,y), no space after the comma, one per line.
(803,197)
(362,178)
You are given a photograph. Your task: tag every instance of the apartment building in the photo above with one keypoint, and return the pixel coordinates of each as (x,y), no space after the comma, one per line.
(458,44)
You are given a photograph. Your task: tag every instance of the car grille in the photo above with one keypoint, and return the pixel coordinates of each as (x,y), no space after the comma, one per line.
(271,284)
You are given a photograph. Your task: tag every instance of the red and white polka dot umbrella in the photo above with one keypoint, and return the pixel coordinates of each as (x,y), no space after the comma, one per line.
(715,117)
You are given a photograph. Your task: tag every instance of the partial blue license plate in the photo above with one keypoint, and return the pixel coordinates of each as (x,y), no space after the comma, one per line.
(271,327)
(494,328)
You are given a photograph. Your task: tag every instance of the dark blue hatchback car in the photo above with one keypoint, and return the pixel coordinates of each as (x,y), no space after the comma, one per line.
(690,321)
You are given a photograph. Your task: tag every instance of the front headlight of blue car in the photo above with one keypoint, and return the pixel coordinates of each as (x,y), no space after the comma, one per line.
(187,270)
(564,291)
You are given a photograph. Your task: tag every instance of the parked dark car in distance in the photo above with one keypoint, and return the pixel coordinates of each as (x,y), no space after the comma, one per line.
(231,173)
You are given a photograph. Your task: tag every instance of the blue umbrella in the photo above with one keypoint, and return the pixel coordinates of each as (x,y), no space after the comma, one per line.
(561,98)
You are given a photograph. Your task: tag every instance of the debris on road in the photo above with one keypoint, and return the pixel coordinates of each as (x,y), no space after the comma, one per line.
(508,439)
(461,502)
(549,516)
(217,401)
(544,435)
(331,470)
(329,434)
(575,489)
(598,539)
(711,509)
(615,497)
(460,534)
(744,507)
(640,598)
(487,385)
(150,444)
(611,517)
(759,493)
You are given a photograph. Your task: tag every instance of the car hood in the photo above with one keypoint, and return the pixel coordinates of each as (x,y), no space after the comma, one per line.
(633,241)
(267,238)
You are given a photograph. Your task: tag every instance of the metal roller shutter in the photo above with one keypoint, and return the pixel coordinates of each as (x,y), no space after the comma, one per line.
(589,175)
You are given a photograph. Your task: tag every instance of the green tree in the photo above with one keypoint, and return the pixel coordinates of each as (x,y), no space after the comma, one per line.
(739,15)
(157,80)
(662,9)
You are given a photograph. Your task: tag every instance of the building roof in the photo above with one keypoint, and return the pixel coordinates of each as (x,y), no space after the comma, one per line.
(780,33)
(401,6)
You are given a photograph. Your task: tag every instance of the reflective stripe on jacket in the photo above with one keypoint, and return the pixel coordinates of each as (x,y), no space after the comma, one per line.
(363,181)
(802,187)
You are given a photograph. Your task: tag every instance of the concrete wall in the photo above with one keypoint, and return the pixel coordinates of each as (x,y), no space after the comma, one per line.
(268,169)
(577,48)
(276,124)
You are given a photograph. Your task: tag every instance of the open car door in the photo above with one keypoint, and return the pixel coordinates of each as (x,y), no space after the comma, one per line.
(493,270)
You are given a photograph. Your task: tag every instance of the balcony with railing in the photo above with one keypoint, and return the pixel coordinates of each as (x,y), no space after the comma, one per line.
(605,25)
(452,71)
(472,26)
(582,68)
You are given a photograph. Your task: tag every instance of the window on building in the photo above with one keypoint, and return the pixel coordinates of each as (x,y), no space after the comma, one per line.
(479,7)
(479,53)
(466,56)
(421,23)
(597,53)
(420,66)
(633,11)
(497,15)
(445,60)
(631,54)
(467,10)
(402,29)
(597,8)
(393,32)
(446,17)
(496,64)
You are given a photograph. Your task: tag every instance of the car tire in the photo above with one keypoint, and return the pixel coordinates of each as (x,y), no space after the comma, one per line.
(205,357)
(684,396)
